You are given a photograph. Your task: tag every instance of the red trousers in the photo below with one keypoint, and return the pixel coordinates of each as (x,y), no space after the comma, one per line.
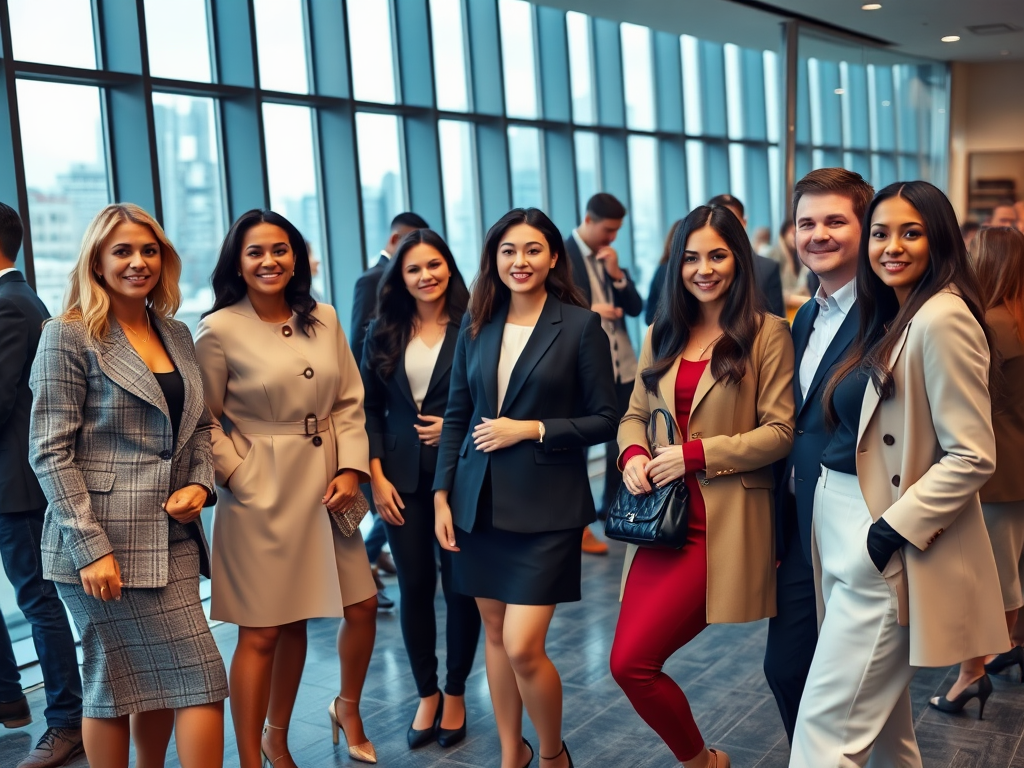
(664,607)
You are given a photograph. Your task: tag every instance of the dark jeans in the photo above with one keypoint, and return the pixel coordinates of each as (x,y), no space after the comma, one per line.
(378,536)
(413,547)
(20,537)
(612,476)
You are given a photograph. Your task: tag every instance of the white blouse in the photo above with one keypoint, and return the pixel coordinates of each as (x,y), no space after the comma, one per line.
(513,340)
(419,366)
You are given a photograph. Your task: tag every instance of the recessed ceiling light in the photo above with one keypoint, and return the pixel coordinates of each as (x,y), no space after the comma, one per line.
(871,6)
(839,91)
(951,38)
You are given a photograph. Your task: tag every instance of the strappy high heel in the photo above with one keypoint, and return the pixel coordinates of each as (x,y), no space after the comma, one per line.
(529,746)
(267,761)
(1012,658)
(555,757)
(363,753)
(980,689)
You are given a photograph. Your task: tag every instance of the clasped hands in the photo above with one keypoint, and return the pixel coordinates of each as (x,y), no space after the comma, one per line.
(642,475)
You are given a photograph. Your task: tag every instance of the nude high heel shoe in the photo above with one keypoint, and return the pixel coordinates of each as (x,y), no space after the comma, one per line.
(721,759)
(268,762)
(363,753)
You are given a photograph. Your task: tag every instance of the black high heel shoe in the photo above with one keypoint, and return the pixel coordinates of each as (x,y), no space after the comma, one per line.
(449,737)
(419,737)
(1012,658)
(529,746)
(980,689)
(555,757)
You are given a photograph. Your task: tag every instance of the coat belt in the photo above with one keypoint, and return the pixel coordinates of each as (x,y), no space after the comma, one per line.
(309,426)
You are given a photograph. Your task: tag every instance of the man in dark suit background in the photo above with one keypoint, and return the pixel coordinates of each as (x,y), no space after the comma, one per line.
(828,206)
(766,271)
(609,292)
(22,506)
(364,307)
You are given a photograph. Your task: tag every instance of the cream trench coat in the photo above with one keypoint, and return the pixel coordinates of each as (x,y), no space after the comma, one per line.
(922,455)
(276,555)
(745,428)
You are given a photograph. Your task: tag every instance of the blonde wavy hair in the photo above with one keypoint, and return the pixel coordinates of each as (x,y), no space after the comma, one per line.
(87,300)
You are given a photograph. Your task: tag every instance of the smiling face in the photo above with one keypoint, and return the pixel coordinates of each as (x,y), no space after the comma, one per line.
(828,238)
(425,273)
(130,262)
(709,266)
(267,262)
(524,259)
(898,246)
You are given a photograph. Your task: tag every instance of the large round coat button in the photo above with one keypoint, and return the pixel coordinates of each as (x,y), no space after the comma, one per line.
(318,441)
(308,373)
(896,480)
(287,330)
(165,455)
(888,439)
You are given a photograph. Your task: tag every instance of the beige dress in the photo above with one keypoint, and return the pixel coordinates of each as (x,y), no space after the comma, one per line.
(277,557)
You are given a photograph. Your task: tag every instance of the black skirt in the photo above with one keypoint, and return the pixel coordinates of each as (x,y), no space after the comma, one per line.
(516,568)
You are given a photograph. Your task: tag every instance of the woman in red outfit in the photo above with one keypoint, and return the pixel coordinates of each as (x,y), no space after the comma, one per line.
(724,368)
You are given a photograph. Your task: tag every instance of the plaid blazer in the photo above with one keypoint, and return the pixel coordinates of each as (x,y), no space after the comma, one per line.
(103,449)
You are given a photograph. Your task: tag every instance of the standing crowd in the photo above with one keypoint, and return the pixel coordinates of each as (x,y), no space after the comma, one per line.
(854,478)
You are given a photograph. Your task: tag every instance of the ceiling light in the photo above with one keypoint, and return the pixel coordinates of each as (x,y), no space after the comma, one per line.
(951,38)
(839,91)
(871,6)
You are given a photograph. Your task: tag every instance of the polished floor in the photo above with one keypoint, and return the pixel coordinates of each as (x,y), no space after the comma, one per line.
(720,671)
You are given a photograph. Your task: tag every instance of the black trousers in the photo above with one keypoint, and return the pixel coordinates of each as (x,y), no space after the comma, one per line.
(612,476)
(793,631)
(414,549)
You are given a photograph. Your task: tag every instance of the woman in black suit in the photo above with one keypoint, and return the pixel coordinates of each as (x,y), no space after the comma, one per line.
(531,389)
(406,366)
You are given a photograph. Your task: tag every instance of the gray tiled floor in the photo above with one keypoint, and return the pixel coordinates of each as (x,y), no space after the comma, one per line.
(720,671)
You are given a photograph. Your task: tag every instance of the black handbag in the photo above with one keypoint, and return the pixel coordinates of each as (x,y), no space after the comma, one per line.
(657,519)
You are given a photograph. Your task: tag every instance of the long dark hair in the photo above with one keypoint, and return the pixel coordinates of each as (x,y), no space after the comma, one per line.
(229,287)
(679,309)
(882,319)
(489,292)
(396,308)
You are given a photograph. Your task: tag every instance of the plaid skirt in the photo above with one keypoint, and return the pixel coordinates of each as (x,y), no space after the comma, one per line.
(152,649)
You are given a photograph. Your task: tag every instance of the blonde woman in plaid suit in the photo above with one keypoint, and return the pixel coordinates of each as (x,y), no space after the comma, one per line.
(120,441)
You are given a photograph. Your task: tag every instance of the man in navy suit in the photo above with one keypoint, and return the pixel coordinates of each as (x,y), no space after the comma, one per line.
(828,206)
(22,506)
(364,307)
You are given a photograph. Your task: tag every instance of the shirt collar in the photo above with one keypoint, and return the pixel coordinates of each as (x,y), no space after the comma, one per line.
(585,250)
(6,271)
(842,299)
(385,254)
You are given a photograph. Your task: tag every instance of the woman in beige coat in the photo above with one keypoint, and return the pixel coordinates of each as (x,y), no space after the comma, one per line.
(723,371)
(899,537)
(290,445)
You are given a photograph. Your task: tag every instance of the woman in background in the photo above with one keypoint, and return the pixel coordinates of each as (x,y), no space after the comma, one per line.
(658,281)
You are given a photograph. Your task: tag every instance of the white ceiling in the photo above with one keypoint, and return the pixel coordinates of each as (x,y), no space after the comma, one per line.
(908,26)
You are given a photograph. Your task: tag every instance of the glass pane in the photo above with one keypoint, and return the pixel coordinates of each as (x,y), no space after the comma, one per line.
(371,51)
(461,209)
(734,92)
(581,68)
(692,108)
(193,197)
(771,95)
(449,38)
(53,32)
(738,173)
(645,207)
(519,58)
(524,151)
(696,185)
(66,175)
(380,174)
(588,168)
(291,173)
(281,45)
(638,76)
(179,43)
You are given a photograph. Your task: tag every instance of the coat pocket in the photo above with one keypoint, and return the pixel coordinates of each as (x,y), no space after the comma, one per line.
(97,481)
(895,575)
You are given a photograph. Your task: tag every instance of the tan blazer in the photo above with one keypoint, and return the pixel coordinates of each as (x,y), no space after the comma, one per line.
(922,455)
(744,429)
(1007,484)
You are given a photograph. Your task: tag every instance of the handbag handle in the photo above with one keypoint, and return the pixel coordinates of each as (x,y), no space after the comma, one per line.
(652,427)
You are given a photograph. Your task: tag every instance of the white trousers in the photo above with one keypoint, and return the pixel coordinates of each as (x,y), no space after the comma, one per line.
(855,709)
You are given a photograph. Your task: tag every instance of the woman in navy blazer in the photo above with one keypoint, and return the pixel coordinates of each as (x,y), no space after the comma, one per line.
(532,388)
(406,367)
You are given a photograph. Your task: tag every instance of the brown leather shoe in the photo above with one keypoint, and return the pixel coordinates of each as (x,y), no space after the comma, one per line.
(57,747)
(593,545)
(15,714)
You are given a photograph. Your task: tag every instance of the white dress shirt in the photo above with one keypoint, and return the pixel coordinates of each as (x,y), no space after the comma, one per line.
(419,366)
(832,311)
(513,342)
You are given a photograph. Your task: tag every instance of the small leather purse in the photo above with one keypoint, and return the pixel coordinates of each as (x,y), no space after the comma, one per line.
(657,519)
(348,519)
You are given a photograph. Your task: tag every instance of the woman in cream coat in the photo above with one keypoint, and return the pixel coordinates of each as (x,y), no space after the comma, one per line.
(924,446)
(289,445)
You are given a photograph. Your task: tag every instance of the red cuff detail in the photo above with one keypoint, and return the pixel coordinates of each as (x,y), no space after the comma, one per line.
(693,456)
(633,450)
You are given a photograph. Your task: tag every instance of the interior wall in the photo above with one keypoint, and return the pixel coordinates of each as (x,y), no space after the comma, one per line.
(987,104)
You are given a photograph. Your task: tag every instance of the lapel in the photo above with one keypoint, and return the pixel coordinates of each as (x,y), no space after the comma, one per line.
(547,329)
(840,343)
(803,323)
(871,401)
(667,390)
(489,345)
(704,385)
(580,275)
(182,359)
(402,382)
(444,358)
(123,366)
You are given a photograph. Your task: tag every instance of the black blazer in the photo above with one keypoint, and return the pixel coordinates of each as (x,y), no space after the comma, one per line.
(364,304)
(810,435)
(627,298)
(769,283)
(21,322)
(563,378)
(391,413)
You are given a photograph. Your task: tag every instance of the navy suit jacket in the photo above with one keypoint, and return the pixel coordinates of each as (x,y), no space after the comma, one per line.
(391,413)
(628,298)
(769,283)
(564,378)
(364,305)
(811,436)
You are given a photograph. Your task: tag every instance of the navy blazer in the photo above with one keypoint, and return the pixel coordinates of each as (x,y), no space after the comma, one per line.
(628,298)
(564,378)
(21,322)
(391,413)
(811,435)
(768,279)
(364,305)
